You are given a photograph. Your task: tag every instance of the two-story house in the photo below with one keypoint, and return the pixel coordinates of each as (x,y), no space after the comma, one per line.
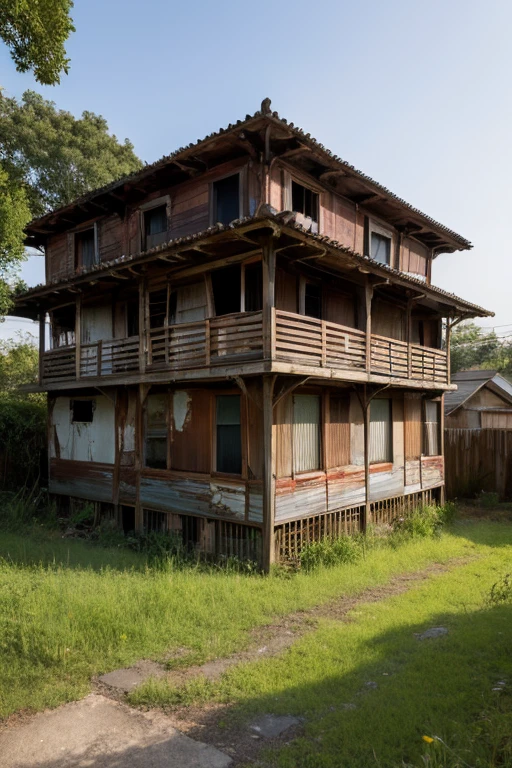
(245,344)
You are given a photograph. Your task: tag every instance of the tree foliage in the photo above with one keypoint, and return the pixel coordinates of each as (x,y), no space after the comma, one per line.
(14,214)
(18,365)
(56,156)
(35,31)
(472,347)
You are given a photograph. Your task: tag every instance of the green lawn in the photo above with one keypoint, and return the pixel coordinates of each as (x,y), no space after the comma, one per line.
(67,618)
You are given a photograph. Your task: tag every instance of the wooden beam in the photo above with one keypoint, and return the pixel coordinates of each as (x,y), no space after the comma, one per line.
(287,390)
(78,337)
(269,486)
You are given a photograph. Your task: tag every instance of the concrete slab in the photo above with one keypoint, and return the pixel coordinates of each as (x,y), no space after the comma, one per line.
(127,679)
(271,726)
(431,634)
(99,733)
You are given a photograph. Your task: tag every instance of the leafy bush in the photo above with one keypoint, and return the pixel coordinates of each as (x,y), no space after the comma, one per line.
(21,511)
(22,440)
(328,552)
(424,522)
(501,591)
(488,499)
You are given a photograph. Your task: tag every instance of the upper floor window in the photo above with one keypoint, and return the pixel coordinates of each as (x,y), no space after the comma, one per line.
(86,253)
(381,243)
(432,428)
(229,435)
(155,226)
(313,300)
(63,326)
(226,199)
(305,201)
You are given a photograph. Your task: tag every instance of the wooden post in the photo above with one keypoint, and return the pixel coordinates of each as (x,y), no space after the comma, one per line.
(409,338)
(269,485)
(442,500)
(448,334)
(269,293)
(142,335)
(368,292)
(98,357)
(42,344)
(78,337)
(366,420)
(207,342)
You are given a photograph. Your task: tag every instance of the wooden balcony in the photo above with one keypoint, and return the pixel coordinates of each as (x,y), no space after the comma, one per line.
(234,341)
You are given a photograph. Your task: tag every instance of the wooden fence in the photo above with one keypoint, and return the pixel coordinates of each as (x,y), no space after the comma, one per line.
(478,460)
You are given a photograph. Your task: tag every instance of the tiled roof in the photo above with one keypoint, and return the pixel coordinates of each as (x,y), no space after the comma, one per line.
(271,118)
(265,216)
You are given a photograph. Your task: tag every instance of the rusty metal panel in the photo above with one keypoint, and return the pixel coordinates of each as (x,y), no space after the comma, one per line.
(84,480)
(255,504)
(228,500)
(191,438)
(300,499)
(432,471)
(384,484)
(183,495)
(412,476)
(345,488)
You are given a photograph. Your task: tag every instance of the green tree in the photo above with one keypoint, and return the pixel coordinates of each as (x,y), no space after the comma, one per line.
(14,215)
(35,32)
(18,365)
(55,156)
(473,347)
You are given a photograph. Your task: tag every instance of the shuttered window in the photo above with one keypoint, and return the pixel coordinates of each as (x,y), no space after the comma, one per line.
(380,431)
(306,433)
(85,249)
(156,431)
(229,435)
(431,433)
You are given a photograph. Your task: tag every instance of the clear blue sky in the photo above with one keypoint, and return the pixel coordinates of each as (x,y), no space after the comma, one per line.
(416,94)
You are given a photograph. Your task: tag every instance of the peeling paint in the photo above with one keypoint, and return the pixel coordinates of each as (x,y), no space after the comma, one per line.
(94,442)
(181,409)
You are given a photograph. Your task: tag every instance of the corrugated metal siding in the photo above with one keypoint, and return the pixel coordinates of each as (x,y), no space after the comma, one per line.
(380,431)
(338,449)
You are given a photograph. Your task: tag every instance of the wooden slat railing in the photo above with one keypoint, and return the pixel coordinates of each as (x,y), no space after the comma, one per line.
(239,338)
(315,342)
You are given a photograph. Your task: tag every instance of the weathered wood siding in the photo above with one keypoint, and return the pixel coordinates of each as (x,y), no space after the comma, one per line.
(478,460)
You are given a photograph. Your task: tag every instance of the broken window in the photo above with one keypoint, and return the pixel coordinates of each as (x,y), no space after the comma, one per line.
(155,226)
(229,435)
(156,431)
(85,249)
(226,290)
(313,300)
(380,431)
(305,201)
(431,433)
(226,199)
(158,308)
(306,433)
(132,317)
(82,411)
(63,326)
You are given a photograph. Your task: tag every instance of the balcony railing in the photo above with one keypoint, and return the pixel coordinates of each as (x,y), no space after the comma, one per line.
(239,338)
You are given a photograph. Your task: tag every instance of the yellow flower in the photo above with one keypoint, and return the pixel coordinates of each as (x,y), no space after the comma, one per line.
(428,739)
(123,637)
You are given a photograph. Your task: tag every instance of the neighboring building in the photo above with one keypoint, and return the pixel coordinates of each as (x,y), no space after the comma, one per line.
(246,345)
(483,400)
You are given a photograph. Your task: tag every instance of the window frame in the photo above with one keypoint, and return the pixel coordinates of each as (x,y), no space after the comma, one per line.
(381,229)
(74,400)
(145,467)
(150,205)
(390,455)
(212,201)
(243,435)
(303,282)
(321,425)
(79,267)
(288,178)
(425,438)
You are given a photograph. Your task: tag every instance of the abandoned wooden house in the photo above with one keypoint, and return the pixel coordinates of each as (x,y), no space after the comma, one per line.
(245,344)
(483,400)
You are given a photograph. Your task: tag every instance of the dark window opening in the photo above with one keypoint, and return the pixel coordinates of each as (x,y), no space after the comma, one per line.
(190,530)
(157,308)
(313,300)
(63,326)
(82,411)
(128,519)
(304,201)
(156,432)
(85,249)
(229,435)
(132,317)
(381,248)
(226,199)
(226,290)
(155,226)
(253,287)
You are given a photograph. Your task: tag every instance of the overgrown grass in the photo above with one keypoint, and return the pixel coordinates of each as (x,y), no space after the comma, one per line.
(370,689)
(69,610)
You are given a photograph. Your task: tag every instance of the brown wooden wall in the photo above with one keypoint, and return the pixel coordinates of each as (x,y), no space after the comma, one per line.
(478,460)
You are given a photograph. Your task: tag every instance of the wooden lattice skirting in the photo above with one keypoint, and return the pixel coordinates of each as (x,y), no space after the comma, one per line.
(290,537)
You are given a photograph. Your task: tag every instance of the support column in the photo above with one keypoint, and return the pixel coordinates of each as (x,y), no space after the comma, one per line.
(365,404)
(142,325)
(368,292)
(269,298)
(78,337)
(269,477)
(42,344)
